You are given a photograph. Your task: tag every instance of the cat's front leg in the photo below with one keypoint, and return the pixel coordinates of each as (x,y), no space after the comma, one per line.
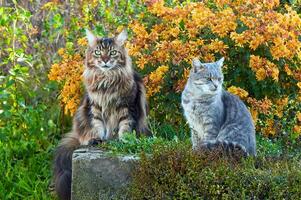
(124,126)
(125,122)
(206,133)
(195,139)
(99,128)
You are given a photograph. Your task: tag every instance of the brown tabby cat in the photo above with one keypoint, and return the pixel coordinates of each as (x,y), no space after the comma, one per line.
(114,104)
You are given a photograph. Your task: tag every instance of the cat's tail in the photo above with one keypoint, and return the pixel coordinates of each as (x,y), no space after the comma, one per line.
(229,148)
(63,166)
(142,126)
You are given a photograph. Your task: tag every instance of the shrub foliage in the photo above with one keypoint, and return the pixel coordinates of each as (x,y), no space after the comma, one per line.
(260,41)
(177,173)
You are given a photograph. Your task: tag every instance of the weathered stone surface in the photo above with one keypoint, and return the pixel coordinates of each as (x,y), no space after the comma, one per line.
(97,174)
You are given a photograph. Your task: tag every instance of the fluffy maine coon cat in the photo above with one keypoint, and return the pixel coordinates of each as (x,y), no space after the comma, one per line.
(114,104)
(216,117)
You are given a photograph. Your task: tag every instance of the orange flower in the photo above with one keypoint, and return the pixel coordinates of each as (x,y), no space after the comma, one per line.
(262,106)
(153,81)
(141,62)
(260,74)
(270,128)
(238,91)
(69,72)
(254,114)
(297,129)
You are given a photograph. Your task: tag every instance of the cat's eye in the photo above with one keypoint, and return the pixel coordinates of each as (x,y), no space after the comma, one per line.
(97,52)
(113,53)
(208,79)
(219,79)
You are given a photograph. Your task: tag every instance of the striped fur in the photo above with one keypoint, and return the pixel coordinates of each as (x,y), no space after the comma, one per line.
(114,103)
(216,117)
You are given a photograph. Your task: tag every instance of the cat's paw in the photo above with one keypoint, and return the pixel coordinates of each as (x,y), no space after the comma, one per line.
(224,147)
(233,148)
(208,145)
(95,142)
(238,148)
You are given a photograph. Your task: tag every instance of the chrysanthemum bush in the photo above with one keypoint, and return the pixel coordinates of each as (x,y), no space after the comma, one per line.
(259,39)
(68,72)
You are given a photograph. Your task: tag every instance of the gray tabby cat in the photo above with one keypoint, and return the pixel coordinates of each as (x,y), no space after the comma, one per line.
(216,117)
(114,103)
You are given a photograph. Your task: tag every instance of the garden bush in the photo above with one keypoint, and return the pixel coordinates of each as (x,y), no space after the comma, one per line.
(177,173)
(260,41)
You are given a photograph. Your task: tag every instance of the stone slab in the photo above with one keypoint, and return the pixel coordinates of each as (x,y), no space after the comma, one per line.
(97,174)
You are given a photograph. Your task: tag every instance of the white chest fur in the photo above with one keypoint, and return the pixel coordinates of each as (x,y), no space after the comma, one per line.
(193,119)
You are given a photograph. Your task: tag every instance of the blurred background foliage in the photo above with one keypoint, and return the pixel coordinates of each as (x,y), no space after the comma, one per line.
(42,46)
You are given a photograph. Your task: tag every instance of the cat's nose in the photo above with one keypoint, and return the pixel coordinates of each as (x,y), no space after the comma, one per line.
(105,58)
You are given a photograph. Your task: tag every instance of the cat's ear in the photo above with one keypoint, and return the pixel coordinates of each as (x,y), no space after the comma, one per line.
(196,64)
(220,63)
(92,39)
(121,37)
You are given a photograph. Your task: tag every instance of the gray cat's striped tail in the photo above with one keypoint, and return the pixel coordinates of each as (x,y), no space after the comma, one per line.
(63,167)
(229,148)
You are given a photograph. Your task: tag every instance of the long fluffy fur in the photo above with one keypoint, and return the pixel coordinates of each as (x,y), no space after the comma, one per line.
(114,104)
(63,166)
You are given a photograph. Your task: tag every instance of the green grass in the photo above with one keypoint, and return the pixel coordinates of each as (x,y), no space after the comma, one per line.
(26,148)
(130,144)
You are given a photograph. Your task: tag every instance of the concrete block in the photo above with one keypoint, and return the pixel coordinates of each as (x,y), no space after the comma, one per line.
(97,174)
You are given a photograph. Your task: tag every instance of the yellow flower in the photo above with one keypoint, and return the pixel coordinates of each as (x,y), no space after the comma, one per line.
(82,41)
(280,104)
(49,5)
(256,62)
(61,51)
(153,81)
(239,39)
(141,62)
(254,114)
(262,106)
(275,73)
(260,74)
(181,83)
(69,72)
(175,32)
(238,91)
(288,70)
(270,128)
(299,85)
(256,41)
(157,75)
